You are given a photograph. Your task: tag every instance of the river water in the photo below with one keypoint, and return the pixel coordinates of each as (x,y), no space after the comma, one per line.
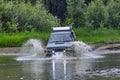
(90,66)
(97,67)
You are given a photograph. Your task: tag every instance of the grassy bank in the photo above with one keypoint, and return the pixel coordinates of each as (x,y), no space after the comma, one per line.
(101,35)
(85,35)
(17,39)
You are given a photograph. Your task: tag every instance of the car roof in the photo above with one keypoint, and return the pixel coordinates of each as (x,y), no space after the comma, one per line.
(67,28)
(62,32)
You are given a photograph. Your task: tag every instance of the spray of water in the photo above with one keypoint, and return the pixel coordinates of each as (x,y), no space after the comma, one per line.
(31,50)
(33,47)
(80,47)
(58,55)
(79,50)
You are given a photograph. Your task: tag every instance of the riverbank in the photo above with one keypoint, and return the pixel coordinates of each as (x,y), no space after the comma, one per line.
(10,50)
(95,47)
(101,35)
(18,39)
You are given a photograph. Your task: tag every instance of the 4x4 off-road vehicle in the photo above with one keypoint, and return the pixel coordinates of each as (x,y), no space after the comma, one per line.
(60,40)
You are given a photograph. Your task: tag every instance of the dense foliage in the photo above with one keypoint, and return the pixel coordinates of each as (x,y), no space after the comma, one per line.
(98,13)
(20,16)
(41,15)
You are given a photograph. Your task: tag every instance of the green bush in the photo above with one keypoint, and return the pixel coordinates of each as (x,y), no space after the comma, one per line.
(96,14)
(75,13)
(114,13)
(19,16)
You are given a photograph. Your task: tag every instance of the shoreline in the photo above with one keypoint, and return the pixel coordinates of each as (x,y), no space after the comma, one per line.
(97,47)
(8,50)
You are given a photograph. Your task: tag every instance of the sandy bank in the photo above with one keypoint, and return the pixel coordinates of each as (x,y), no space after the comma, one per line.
(10,50)
(96,47)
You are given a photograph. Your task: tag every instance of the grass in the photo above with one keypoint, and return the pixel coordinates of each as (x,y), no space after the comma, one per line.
(101,35)
(17,39)
(88,36)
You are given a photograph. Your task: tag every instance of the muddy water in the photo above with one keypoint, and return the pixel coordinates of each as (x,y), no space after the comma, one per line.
(87,67)
(102,63)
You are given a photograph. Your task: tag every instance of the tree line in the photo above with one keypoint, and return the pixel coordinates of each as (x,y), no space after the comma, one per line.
(20,16)
(41,15)
(98,13)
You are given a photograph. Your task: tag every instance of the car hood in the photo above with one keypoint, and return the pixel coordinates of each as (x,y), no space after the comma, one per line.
(58,45)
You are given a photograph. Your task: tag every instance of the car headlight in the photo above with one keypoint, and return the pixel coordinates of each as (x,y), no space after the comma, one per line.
(64,51)
(53,51)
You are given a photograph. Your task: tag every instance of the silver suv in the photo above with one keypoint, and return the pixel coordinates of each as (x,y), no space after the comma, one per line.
(59,41)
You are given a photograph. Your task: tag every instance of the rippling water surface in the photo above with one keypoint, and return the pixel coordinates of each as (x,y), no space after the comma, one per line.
(87,67)
(94,65)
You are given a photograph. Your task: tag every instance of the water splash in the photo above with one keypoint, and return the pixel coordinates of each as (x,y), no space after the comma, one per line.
(33,47)
(31,50)
(58,55)
(80,47)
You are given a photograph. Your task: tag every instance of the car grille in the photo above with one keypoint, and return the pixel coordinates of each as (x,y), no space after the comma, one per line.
(59,50)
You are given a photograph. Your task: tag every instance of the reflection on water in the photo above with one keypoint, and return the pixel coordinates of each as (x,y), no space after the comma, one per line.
(55,69)
(59,70)
(87,67)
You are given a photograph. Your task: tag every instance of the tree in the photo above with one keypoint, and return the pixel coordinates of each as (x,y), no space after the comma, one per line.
(96,14)
(114,13)
(75,12)
(57,8)
(21,16)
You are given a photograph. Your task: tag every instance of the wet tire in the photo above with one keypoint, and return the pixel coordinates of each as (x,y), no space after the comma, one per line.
(48,55)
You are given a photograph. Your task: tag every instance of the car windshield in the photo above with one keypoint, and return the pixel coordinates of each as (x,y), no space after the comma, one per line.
(63,37)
